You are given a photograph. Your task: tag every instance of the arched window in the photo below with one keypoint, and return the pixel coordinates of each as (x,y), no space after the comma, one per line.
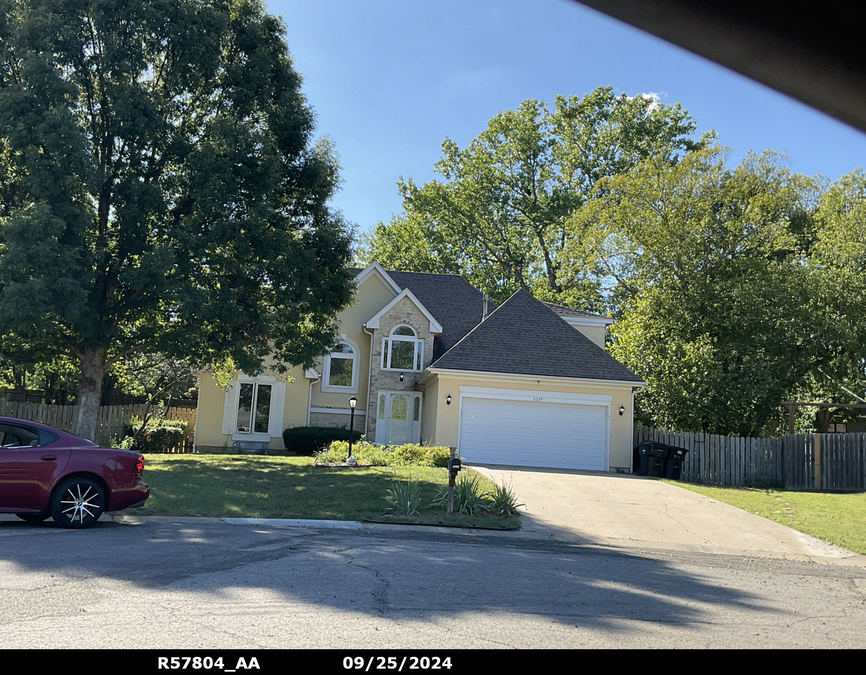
(402,350)
(340,367)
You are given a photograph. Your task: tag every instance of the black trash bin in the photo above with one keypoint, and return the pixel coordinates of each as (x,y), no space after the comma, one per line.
(674,463)
(652,458)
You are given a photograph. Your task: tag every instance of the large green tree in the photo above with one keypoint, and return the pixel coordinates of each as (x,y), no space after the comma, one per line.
(159,190)
(837,260)
(712,287)
(501,216)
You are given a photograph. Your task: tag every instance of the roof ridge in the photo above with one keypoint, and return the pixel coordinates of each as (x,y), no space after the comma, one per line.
(433,274)
(573,309)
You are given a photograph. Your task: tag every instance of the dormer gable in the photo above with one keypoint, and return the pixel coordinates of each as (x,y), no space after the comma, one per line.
(434,326)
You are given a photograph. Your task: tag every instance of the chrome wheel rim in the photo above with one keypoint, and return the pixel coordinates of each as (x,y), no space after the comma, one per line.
(77,506)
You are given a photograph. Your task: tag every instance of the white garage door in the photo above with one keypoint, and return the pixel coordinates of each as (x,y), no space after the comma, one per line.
(533,433)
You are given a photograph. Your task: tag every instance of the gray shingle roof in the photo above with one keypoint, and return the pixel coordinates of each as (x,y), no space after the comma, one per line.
(562,310)
(523,337)
(454,303)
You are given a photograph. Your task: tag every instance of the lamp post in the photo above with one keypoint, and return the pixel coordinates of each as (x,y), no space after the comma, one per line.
(352,403)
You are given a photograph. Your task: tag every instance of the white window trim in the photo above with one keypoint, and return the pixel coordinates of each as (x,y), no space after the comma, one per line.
(326,368)
(417,354)
(275,419)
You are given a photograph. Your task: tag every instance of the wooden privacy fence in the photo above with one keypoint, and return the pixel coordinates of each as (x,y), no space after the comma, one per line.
(794,462)
(825,461)
(109,423)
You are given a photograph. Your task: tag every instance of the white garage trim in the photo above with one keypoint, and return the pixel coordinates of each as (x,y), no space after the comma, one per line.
(533,395)
(517,379)
(593,410)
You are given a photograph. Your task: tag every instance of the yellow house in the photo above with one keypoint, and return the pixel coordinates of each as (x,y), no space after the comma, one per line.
(429,360)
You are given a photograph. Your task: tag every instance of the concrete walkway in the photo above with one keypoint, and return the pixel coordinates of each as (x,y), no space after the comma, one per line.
(634,511)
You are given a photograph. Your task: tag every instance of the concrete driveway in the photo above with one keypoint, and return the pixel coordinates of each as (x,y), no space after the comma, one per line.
(635,511)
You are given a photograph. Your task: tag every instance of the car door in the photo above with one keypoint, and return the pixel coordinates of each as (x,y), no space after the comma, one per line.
(31,459)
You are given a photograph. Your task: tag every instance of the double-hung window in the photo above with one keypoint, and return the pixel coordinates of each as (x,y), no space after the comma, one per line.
(402,350)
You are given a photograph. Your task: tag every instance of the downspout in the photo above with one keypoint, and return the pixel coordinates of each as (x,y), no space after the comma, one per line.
(369,383)
(631,430)
(195,426)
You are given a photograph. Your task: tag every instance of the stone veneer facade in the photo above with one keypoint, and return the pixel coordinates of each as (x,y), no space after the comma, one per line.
(404,313)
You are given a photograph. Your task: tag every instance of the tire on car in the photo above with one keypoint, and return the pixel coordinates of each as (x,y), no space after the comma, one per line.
(77,502)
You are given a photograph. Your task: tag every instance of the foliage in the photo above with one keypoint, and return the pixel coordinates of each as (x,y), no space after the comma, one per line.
(501,217)
(503,501)
(711,288)
(469,496)
(310,440)
(157,377)
(404,496)
(365,453)
(409,454)
(26,367)
(838,263)
(420,455)
(155,436)
(159,189)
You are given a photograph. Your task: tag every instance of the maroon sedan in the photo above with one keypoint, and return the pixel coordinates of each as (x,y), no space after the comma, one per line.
(47,472)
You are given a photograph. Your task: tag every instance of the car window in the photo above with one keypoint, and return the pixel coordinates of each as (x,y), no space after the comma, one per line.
(14,436)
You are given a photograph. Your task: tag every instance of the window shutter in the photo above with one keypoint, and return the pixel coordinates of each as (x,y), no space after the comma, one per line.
(278,398)
(230,410)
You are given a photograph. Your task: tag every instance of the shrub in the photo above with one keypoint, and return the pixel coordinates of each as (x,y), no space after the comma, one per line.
(409,454)
(421,455)
(338,451)
(436,455)
(468,496)
(156,437)
(503,501)
(405,496)
(310,440)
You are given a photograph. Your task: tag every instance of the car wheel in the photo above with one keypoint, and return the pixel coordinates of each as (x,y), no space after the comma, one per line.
(33,517)
(77,502)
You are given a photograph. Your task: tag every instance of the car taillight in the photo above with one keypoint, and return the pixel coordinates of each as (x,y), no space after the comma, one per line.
(139,464)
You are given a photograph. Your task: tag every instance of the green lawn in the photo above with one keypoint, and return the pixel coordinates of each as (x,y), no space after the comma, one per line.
(837,518)
(290,487)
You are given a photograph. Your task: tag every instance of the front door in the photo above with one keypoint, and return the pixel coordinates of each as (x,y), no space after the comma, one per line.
(399,418)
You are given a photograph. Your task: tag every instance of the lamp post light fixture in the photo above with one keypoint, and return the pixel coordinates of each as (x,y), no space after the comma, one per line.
(352,403)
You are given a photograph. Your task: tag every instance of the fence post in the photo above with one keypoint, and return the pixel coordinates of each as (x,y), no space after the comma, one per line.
(817,461)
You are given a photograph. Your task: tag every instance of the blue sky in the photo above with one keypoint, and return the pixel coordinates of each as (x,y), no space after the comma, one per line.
(390,79)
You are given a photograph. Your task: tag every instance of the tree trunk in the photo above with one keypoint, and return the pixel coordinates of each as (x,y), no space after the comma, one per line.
(89,392)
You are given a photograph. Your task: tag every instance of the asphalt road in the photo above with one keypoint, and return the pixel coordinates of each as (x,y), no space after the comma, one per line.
(199,583)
